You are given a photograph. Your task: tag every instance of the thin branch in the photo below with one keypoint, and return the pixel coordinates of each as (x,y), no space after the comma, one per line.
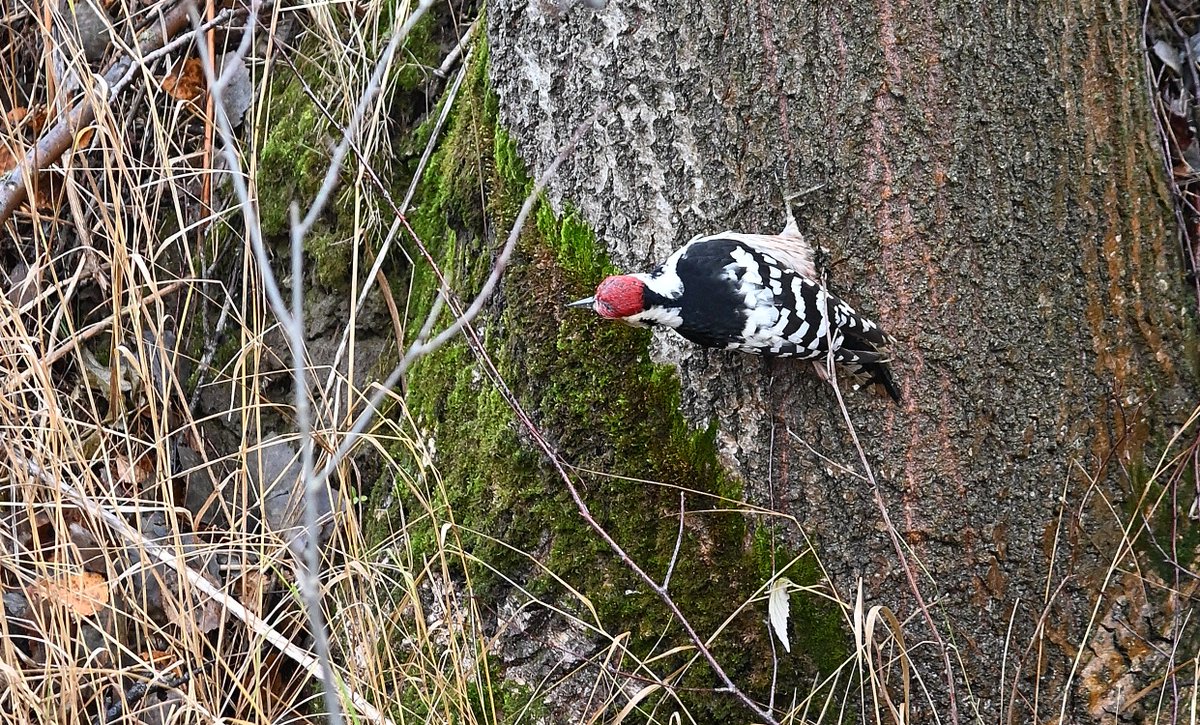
(678,542)
(457,51)
(447,105)
(840,468)
(211,342)
(292,321)
(435,312)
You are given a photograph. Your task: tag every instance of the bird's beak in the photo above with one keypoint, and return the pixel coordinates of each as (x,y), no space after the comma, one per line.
(586,302)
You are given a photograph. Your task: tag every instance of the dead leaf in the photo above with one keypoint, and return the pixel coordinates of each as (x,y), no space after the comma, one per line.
(30,532)
(7,160)
(38,120)
(186,81)
(83,139)
(778,608)
(85,593)
(47,188)
(238,92)
(20,124)
(25,283)
(138,475)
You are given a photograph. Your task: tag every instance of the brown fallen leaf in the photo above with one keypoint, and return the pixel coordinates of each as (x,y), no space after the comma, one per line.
(186,81)
(85,593)
(83,139)
(8,161)
(135,476)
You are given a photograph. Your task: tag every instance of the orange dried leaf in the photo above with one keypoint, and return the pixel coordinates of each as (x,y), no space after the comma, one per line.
(85,593)
(38,121)
(83,139)
(186,81)
(34,120)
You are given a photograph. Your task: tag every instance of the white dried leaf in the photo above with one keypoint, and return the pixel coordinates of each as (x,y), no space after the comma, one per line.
(238,91)
(1168,54)
(778,606)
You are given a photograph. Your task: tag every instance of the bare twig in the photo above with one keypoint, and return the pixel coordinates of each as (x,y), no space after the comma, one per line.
(292,321)
(457,51)
(447,105)
(376,271)
(840,468)
(212,340)
(678,542)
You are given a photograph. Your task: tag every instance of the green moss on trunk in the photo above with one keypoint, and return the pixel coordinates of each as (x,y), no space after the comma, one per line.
(590,386)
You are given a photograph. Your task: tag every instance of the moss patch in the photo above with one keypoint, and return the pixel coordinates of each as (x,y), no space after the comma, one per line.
(590,387)
(293,157)
(294,151)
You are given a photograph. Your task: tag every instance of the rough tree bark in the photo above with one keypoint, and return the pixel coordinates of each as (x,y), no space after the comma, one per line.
(994,197)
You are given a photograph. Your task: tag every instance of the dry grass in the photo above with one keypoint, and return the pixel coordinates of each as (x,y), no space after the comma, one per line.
(150,574)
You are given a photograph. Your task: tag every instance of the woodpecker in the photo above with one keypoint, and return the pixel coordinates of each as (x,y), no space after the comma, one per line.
(757,293)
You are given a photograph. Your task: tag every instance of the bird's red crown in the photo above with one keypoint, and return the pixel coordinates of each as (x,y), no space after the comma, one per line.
(620,296)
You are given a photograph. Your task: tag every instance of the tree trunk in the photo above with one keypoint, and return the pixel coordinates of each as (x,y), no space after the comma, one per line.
(994,197)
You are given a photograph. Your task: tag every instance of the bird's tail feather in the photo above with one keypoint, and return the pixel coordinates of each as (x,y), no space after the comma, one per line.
(873,372)
(878,373)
